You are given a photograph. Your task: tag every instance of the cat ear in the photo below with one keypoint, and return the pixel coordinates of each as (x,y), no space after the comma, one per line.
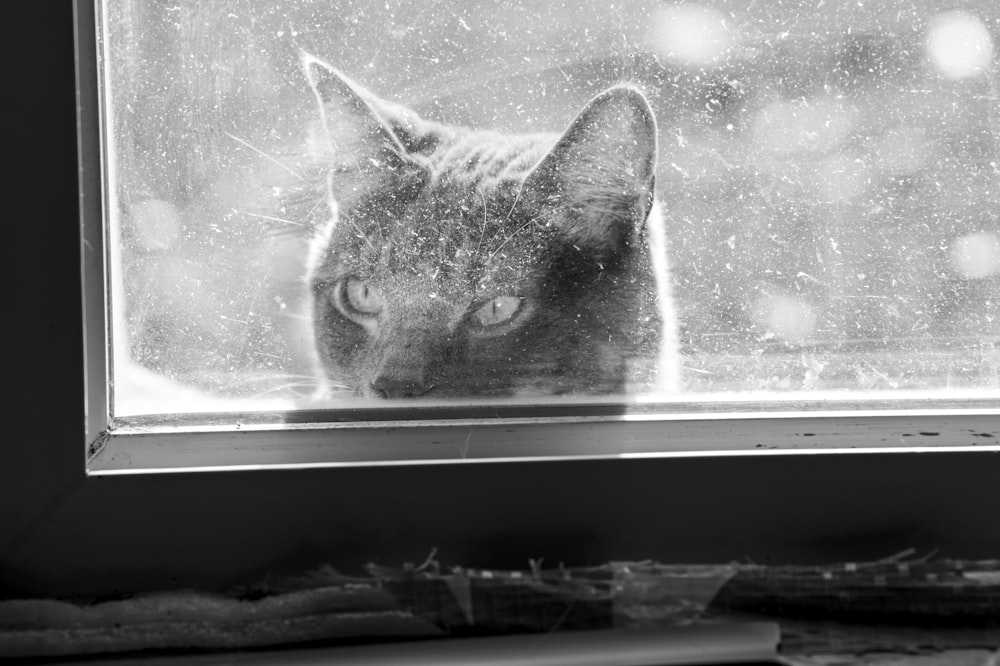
(599,174)
(358,132)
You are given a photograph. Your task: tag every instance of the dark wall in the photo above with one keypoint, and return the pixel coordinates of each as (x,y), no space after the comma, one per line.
(61,534)
(121,534)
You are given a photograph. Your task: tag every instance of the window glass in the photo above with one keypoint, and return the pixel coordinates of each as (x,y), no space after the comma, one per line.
(297,217)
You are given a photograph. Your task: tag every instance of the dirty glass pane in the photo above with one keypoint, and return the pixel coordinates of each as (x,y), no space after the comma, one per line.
(295,219)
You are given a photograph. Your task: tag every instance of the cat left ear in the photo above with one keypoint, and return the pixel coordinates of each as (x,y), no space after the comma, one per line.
(353,126)
(600,173)
(364,140)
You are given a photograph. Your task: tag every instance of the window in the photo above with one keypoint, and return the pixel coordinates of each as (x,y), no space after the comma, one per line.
(827,182)
(162,531)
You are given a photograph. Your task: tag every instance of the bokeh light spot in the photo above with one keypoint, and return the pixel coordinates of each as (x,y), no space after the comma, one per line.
(156,224)
(976,255)
(789,318)
(690,34)
(959,45)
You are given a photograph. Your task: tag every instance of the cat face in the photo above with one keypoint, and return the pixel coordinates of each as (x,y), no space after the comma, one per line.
(464,263)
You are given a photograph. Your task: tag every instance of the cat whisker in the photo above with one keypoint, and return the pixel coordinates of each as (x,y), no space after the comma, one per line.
(482,232)
(512,235)
(291,385)
(264,377)
(264,155)
(296,389)
(363,235)
(506,219)
(276,219)
(517,199)
(319,202)
(297,315)
(292,375)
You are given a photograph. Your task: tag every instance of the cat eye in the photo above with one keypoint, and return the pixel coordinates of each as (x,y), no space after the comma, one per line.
(500,310)
(358,298)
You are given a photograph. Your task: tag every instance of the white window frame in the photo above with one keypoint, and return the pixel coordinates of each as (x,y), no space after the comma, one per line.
(555,430)
(147,528)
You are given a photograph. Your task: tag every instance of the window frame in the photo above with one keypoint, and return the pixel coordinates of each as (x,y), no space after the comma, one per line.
(239,517)
(93,201)
(495,432)
(219,445)
(401,434)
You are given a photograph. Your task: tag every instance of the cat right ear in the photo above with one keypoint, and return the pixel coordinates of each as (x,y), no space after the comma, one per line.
(599,174)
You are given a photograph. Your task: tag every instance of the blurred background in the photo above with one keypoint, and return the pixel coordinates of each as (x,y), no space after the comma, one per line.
(828,168)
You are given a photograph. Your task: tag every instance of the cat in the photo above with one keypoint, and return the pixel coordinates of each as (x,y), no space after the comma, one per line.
(467,263)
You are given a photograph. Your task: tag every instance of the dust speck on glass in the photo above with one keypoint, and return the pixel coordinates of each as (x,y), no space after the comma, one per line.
(315,203)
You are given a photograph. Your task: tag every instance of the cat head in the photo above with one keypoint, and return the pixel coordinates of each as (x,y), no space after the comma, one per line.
(460,263)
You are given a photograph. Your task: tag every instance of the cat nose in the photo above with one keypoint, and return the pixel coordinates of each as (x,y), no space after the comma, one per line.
(392,387)
(412,358)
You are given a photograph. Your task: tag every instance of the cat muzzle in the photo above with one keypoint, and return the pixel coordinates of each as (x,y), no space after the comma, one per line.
(393,387)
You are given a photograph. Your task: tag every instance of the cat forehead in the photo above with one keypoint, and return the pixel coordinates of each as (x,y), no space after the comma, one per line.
(459,202)
(486,158)
(463,243)
(443,209)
